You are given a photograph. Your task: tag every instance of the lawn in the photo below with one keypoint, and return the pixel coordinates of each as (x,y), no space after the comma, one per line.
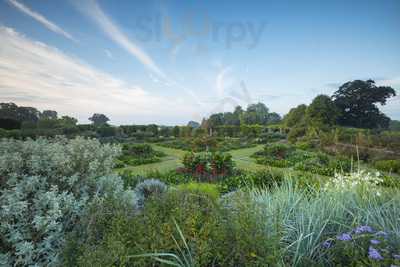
(241,157)
(171,161)
(173,158)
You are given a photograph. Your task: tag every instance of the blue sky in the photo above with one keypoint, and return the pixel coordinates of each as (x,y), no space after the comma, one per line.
(169,62)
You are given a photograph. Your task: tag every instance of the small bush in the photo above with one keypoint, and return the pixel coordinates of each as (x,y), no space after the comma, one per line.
(212,190)
(208,167)
(138,154)
(388,165)
(149,189)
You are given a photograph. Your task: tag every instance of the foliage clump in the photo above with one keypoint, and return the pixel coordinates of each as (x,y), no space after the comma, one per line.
(137,154)
(45,187)
(209,166)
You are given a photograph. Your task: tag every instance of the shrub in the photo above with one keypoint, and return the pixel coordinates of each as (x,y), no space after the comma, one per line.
(256,179)
(153,230)
(137,154)
(388,165)
(45,187)
(361,246)
(307,220)
(206,143)
(211,190)
(284,156)
(208,167)
(295,133)
(148,189)
(215,236)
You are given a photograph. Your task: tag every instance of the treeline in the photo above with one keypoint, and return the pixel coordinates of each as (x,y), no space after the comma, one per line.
(255,114)
(354,104)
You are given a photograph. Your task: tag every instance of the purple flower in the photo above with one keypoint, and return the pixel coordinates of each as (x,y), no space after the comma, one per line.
(363,229)
(374,254)
(344,237)
(396,256)
(327,244)
(375,242)
(382,233)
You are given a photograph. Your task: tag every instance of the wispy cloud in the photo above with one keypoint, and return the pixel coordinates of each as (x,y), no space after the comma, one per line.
(108,54)
(94,11)
(220,82)
(36,74)
(41,19)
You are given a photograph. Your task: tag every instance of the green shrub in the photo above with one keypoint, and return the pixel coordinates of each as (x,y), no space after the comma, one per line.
(388,165)
(206,143)
(295,133)
(209,166)
(216,236)
(211,190)
(153,230)
(362,246)
(150,188)
(257,179)
(138,154)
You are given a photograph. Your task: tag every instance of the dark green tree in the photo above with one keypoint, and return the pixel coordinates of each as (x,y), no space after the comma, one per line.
(215,120)
(176,131)
(394,125)
(356,101)
(296,116)
(48,115)
(322,112)
(66,121)
(193,124)
(231,118)
(274,118)
(99,119)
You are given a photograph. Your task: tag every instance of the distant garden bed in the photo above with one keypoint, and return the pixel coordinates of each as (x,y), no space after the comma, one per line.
(138,154)
(205,143)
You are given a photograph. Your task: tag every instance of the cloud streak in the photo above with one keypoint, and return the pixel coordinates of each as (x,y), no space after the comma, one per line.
(94,11)
(41,19)
(35,74)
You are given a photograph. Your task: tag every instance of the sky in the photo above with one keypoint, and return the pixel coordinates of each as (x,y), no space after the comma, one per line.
(168,62)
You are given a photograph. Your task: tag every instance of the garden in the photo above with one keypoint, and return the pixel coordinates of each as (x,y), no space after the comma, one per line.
(64,203)
(243,188)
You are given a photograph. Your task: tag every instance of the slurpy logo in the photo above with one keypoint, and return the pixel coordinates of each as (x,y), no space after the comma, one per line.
(199,27)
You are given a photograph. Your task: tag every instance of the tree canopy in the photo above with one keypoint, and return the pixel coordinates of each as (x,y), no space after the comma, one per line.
(99,119)
(296,116)
(322,112)
(356,101)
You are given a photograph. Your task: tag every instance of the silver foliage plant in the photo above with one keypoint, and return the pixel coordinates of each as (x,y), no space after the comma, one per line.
(45,186)
(149,188)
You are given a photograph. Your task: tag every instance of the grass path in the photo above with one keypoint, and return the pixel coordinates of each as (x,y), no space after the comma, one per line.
(173,160)
(244,161)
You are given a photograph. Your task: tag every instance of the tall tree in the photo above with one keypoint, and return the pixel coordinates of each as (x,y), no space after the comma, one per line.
(274,117)
(322,112)
(68,121)
(176,131)
(21,114)
(231,119)
(193,124)
(296,116)
(216,119)
(49,115)
(357,101)
(99,119)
